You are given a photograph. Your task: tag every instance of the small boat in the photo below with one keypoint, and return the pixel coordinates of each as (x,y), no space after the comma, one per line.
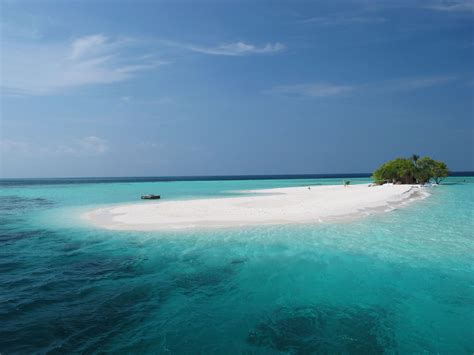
(150,197)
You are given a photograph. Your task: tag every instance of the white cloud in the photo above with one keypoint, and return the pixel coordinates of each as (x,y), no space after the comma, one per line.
(146,101)
(452,6)
(344,20)
(419,82)
(311,90)
(8,146)
(447,6)
(82,147)
(235,49)
(93,145)
(321,90)
(86,146)
(32,68)
(87,44)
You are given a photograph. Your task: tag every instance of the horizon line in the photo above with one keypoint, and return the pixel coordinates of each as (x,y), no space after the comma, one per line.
(274,176)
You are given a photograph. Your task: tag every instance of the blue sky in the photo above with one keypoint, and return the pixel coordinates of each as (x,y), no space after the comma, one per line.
(117,88)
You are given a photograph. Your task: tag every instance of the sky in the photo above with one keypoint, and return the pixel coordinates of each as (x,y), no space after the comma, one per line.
(168,88)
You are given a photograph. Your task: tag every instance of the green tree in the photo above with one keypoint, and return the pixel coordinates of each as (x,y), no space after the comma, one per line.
(428,169)
(411,170)
(399,170)
(440,171)
(424,170)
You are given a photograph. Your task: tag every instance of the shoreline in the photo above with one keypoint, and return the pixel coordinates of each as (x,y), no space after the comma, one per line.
(291,205)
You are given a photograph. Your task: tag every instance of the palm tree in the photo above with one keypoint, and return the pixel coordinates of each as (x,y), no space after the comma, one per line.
(415,158)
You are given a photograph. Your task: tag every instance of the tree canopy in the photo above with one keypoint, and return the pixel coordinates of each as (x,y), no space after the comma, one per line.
(411,170)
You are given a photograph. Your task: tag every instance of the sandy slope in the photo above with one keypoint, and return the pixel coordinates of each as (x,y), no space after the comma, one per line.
(271,206)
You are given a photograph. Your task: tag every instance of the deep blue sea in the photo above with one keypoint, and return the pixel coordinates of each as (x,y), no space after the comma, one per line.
(400,282)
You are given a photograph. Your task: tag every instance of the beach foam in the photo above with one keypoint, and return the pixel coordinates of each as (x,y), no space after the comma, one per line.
(270,206)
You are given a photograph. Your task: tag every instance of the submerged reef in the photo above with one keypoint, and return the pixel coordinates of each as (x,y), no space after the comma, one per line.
(13,203)
(324,329)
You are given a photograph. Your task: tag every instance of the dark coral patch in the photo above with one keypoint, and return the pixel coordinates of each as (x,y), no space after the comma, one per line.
(324,330)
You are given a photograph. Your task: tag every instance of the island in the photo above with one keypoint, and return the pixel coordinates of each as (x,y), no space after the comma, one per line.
(414,170)
(396,183)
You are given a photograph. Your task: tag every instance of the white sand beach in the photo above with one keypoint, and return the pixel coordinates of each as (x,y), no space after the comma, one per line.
(270,206)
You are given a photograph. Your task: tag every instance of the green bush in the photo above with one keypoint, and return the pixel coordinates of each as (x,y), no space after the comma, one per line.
(410,171)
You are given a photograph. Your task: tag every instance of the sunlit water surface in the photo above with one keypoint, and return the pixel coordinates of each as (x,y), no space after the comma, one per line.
(400,282)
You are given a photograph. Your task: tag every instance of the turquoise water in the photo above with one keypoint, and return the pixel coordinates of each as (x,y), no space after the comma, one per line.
(401,282)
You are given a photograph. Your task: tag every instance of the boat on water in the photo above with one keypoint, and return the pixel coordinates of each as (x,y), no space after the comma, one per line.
(151,197)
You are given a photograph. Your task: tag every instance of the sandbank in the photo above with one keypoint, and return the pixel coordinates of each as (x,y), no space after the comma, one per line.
(259,207)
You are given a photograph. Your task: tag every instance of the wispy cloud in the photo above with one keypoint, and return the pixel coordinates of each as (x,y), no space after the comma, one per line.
(406,84)
(82,147)
(8,146)
(448,6)
(311,90)
(341,20)
(233,49)
(324,90)
(91,145)
(145,101)
(35,68)
(88,45)
(452,6)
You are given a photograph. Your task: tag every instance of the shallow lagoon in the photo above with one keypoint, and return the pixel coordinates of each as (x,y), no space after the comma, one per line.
(398,282)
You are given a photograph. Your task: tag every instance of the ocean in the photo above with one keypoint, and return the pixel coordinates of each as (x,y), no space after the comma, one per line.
(398,282)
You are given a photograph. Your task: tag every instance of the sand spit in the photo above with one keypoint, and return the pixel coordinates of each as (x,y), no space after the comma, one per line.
(270,206)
